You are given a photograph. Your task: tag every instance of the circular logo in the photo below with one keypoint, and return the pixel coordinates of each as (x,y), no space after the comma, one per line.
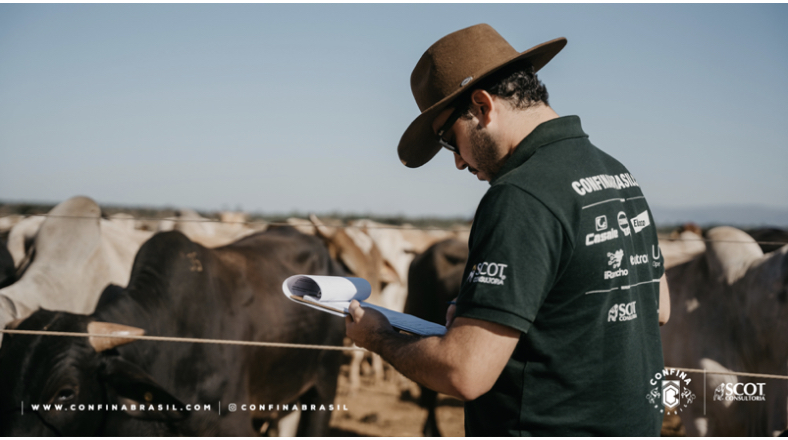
(671,391)
(623,223)
(231,407)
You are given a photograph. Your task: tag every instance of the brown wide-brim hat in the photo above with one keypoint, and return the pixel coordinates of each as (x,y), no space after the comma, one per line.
(452,66)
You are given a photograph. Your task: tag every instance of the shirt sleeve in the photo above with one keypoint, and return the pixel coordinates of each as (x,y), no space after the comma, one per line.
(514,259)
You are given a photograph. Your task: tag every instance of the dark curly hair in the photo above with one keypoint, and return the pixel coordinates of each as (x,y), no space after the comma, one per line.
(517,84)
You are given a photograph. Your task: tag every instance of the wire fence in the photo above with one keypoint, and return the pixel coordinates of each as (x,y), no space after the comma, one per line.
(179,339)
(263,223)
(307,223)
(303,346)
(731,373)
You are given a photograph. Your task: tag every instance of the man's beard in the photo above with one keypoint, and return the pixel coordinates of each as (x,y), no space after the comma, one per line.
(484,151)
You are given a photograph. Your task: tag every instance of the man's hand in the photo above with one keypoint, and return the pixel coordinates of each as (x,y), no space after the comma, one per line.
(365,327)
(464,363)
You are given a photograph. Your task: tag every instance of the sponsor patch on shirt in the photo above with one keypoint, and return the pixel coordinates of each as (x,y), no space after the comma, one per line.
(622,312)
(601,182)
(615,263)
(601,223)
(592,239)
(640,222)
(656,253)
(615,258)
(488,273)
(623,223)
(634,260)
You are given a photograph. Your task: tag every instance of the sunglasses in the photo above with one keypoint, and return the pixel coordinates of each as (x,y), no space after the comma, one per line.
(446,127)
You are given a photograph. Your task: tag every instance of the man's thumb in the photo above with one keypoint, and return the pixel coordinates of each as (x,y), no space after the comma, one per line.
(355,310)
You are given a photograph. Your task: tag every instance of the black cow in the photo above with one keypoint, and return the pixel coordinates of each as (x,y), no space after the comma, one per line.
(434,279)
(179,288)
(7,270)
(770,239)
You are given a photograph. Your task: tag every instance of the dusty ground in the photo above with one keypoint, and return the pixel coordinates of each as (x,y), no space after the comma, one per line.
(382,409)
(390,408)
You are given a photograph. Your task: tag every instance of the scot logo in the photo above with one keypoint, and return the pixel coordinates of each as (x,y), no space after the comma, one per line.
(488,273)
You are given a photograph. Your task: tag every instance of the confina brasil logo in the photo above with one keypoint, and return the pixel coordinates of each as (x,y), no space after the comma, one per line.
(671,391)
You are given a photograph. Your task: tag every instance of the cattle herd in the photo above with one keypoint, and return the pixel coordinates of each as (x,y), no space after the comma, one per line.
(76,270)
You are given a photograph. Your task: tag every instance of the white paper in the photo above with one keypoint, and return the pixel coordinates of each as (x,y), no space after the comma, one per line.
(334,294)
(328,288)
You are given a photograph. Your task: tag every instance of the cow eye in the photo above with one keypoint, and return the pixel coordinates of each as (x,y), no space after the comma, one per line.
(65,394)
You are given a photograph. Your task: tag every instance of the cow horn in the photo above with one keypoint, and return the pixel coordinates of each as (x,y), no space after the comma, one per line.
(107,328)
(324,231)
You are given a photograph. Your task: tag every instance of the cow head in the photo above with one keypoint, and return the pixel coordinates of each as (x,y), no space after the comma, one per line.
(53,385)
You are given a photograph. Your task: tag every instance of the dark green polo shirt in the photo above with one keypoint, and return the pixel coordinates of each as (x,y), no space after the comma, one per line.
(564,249)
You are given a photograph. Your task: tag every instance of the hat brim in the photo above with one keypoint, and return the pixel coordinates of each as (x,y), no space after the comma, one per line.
(418,144)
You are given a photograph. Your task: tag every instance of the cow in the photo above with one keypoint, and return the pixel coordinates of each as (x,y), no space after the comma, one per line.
(434,279)
(207,232)
(769,239)
(7,269)
(21,237)
(728,308)
(180,288)
(683,245)
(72,256)
(362,258)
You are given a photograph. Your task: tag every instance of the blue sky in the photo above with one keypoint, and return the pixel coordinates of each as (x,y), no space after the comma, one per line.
(276,108)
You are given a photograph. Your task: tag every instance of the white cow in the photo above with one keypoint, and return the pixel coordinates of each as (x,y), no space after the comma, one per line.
(77,254)
(21,236)
(209,233)
(728,313)
(8,222)
(681,247)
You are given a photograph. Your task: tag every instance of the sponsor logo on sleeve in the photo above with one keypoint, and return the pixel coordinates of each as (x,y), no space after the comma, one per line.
(622,312)
(488,273)
(640,222)
(623,224)
(601,223)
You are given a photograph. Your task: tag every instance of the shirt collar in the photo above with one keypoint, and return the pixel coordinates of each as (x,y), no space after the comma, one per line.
(547,132)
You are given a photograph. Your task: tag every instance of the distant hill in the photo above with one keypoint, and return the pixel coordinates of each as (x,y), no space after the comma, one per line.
(730,215)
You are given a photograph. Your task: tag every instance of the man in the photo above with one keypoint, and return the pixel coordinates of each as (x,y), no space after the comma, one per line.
(557,320)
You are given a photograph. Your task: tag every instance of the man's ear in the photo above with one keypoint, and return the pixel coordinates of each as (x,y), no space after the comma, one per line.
(483,105)
(127,384)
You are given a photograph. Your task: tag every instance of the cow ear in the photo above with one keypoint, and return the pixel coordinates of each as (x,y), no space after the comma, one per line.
(129,385)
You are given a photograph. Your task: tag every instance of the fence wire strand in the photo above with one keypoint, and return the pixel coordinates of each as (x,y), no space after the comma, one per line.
(263,223)
(376,226)
(732,373)
(304,346)
(178,339)
(325,347)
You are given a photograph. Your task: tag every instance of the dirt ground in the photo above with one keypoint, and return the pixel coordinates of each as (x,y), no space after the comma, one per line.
(390,408)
